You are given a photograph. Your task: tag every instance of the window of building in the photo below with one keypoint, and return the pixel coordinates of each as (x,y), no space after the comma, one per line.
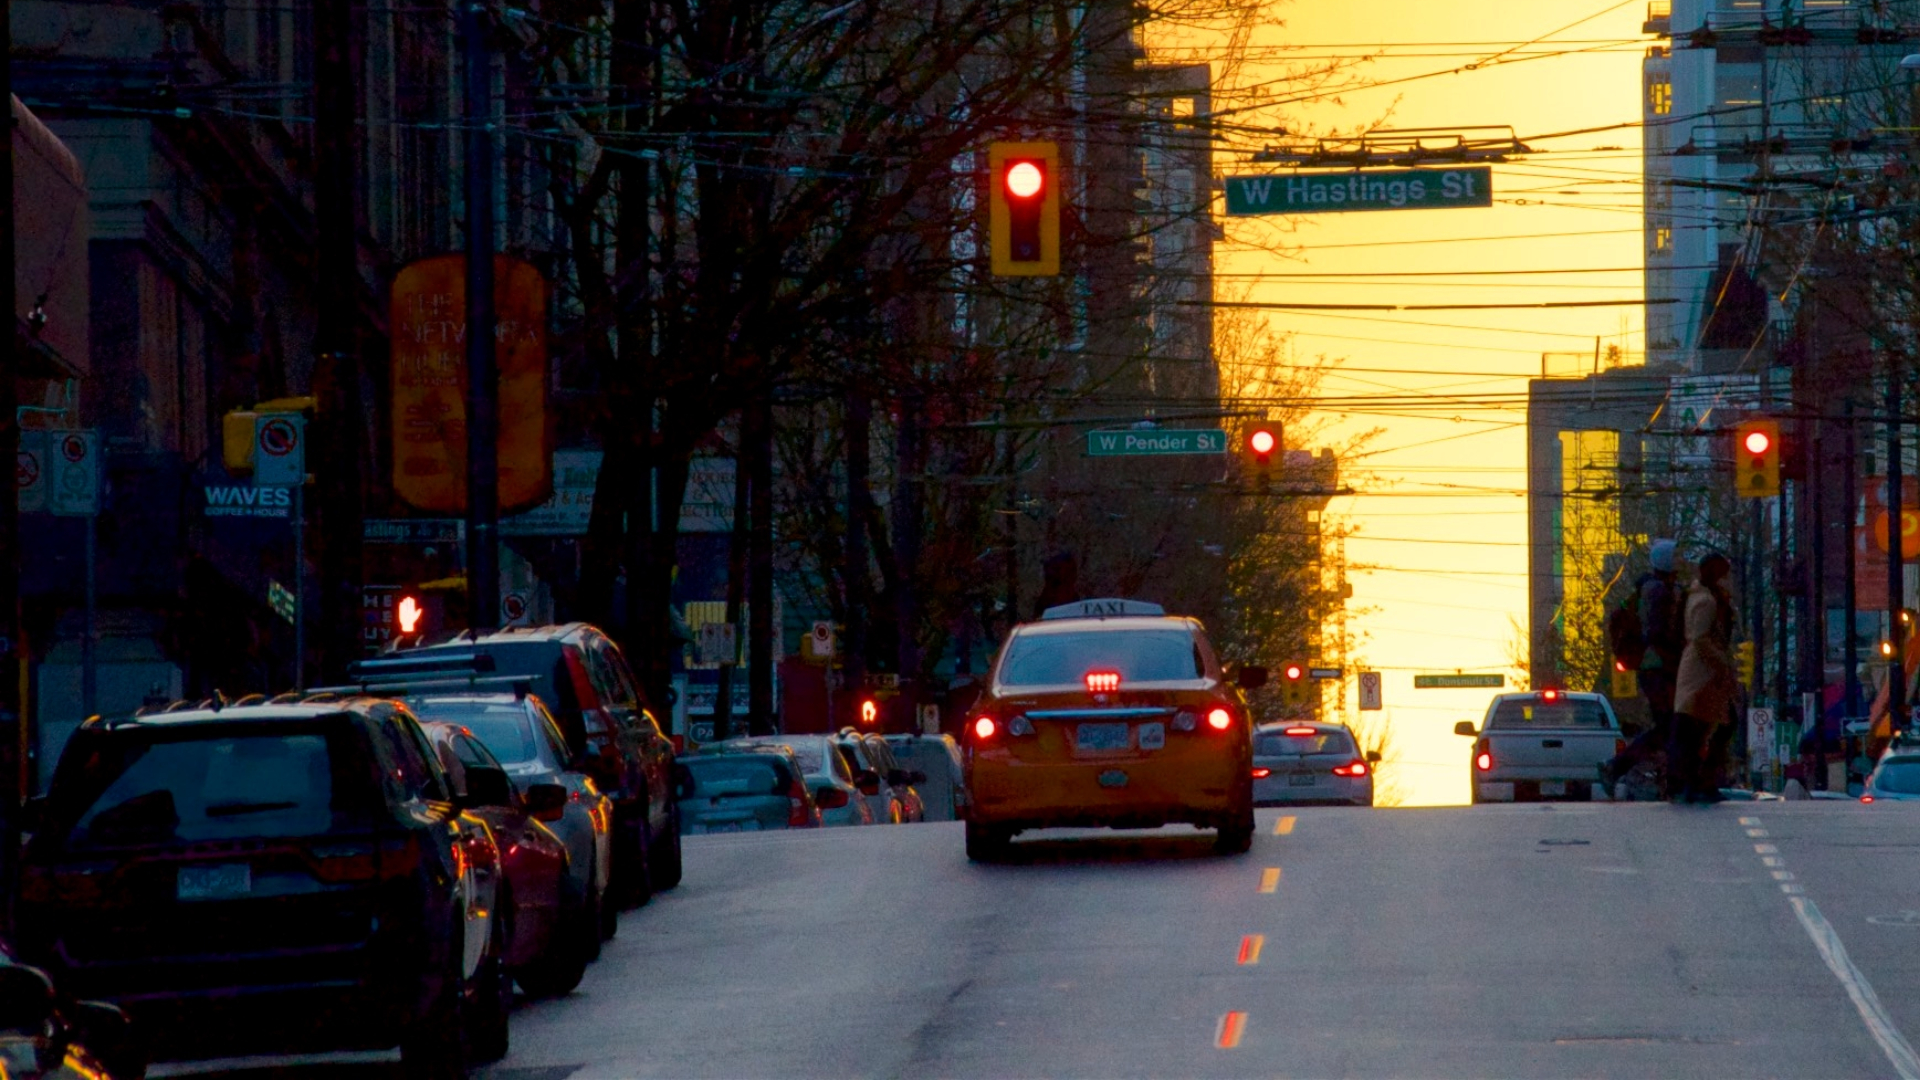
(1660,95)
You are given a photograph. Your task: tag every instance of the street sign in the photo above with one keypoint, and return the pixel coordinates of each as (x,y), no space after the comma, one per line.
(73,473)
(280,600)
(822,639)
(30,472)
(1155,442)
(715,644)
(1323,672)
(1370,691)
(279,450)
(1361,189)
(513,608)
(930,719)
(1759,738)
(1458,682)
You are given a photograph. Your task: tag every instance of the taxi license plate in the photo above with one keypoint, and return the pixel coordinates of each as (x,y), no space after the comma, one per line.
(1553,787)
(1102,736)
(214,882)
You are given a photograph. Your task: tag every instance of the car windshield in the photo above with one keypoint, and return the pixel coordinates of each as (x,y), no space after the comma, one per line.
(130,788)
(1899,775)
(1145,655)
(1536,713)
(1275,744)
(741,774)
(503,728)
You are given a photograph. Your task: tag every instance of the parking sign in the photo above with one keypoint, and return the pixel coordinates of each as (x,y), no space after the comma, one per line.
(72,466)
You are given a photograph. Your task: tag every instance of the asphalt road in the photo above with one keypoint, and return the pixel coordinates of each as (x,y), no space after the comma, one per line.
(1630,940)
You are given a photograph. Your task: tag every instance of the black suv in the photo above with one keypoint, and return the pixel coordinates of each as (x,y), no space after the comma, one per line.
(615,736)
(272,878)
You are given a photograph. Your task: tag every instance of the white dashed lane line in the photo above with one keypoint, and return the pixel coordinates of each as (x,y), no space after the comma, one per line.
(1826,941)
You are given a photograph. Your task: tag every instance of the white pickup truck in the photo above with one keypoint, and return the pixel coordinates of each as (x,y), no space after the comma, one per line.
(1544,744)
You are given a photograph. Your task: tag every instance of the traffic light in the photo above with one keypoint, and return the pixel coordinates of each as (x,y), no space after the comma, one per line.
(1743,659)
(869,712)
(1023,220)
(1261,444)
(1294,684)
(1756,459)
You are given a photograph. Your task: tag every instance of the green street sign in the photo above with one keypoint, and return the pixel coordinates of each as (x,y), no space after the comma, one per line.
(1458,682)
(1362,189)
(1155,442)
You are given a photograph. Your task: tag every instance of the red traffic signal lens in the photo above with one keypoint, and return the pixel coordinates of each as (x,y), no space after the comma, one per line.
(1757,442)
(1025,179)
(1262,441)
(1294,672)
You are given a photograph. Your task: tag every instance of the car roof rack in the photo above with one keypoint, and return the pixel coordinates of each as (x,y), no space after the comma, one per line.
(428,662)
(383,685)
(1105,608)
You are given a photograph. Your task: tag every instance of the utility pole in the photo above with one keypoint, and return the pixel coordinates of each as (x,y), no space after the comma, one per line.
(483,379)
(736,572)
(761,628)
(908,465)
(859,510)
(13,652)
(1896,551)
(341,412)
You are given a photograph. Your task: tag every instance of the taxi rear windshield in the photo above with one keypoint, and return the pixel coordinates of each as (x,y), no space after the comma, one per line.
(1549,714)
(1158,655)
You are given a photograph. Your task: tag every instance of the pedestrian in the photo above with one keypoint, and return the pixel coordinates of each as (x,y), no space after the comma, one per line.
(1657,603)
(1707,687)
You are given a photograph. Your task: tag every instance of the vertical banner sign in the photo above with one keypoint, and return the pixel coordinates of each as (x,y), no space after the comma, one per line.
(429,384)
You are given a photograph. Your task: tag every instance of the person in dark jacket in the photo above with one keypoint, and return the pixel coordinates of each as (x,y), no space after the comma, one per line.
(1658,600)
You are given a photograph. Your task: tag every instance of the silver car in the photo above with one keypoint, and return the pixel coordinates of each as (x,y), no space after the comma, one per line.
(937,757)
(884,798)
(1895,779)
(730,789)
(828,776)
(1305,762)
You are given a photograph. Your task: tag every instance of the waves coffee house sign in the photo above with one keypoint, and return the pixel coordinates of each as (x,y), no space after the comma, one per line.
(247,501)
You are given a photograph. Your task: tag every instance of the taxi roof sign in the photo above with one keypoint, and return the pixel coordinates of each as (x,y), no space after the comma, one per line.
(1102,609)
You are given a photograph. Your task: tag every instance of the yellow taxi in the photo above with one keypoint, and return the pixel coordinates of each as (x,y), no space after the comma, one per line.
(1110,713)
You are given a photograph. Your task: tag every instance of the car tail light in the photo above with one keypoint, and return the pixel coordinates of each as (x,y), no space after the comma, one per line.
(1483,760)
(799,812)
(400,858)
(984,728)
(1299,732)
(832,798)
(1619,747)
(1102,682)
(1356,767)
(1219,719)
(1866,798)
(1262,773)
(1549,695)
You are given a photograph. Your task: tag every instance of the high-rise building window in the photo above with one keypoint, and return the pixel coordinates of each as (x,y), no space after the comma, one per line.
(1660,95)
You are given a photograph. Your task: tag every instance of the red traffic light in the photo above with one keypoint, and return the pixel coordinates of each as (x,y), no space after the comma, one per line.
(1262,441)
(1294,672)
(1757,442)
(1025,179)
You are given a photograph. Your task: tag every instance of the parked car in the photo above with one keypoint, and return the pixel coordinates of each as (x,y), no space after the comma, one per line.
(936,758)
(518,730)
(1542,744)
(1303,762)
(46,1035)
(552,931)
(611,730)
(275,878)
(913,808)
(726,788)
(826,773)
(887,803)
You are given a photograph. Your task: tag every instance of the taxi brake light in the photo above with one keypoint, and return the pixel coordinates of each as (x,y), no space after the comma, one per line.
(1102,682)
(984,727)
(1219,719)
(1262,773)
(1301,731)
(1356,767)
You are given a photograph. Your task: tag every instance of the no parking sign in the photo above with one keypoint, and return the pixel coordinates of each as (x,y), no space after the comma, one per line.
(280,450)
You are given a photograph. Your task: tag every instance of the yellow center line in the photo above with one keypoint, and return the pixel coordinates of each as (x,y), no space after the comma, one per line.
(1270,879)
(1232,1026)
(1250,949)
(1283,826)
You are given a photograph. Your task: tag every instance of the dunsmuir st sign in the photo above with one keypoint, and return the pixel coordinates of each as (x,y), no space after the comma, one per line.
(1364,189)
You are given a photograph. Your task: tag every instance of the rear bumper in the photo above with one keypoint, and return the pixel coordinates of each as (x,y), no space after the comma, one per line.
(1527,790)
(1275,790)
(1106,794)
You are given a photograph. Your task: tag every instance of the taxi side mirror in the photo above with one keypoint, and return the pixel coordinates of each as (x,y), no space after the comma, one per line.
(1251,676)
(1467,728)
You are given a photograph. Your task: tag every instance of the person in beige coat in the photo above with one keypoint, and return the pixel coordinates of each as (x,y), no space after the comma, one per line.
(1706,688)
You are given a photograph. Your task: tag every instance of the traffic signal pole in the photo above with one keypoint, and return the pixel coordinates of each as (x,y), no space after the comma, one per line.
(483,378)
(1896,551)
(13,652)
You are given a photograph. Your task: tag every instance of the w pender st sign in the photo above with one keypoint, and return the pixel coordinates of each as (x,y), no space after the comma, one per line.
(1364,189)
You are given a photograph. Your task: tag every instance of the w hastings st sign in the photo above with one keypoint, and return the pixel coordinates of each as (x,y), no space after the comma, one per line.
(1366,189)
